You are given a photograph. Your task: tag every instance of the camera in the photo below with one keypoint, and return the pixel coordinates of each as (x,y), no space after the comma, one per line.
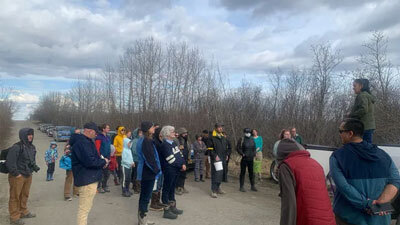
(34,167)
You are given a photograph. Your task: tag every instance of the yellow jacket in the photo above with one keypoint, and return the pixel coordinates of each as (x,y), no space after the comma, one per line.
(119,142)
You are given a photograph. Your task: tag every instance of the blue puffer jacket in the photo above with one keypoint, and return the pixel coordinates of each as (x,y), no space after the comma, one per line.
(65,162)
(361,171)
(86,163)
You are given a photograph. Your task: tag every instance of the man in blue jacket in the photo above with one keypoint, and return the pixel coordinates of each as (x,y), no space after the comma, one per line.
(87,168)
(364,175)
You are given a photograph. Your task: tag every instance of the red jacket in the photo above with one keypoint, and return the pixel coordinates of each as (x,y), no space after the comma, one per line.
(312,199)
(113,163)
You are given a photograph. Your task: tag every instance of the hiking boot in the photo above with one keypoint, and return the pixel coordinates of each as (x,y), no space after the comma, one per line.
(17,222)
(242,189)
(179,191)
(154,204)
(29,215)
(213,195)
(101,190)
(68,199)
(172,206)
(137,191)
(106,189)
(168,214)
(253,188)
(220,191)
(158,200)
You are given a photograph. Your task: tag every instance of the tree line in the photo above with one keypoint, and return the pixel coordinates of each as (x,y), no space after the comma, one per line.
(7,109)
(173,83)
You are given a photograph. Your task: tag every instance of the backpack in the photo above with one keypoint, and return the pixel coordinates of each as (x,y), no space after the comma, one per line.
(3,158)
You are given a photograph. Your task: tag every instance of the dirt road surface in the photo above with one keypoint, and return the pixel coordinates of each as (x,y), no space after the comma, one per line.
(46,199)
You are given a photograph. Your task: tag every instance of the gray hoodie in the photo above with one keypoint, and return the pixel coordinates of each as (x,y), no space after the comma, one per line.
(22,155)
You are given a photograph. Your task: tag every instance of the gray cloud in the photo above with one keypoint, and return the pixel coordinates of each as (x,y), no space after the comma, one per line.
(267,7)
(141,8)
(384,16)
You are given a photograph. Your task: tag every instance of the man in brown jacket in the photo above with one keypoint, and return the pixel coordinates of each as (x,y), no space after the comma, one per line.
(21,164)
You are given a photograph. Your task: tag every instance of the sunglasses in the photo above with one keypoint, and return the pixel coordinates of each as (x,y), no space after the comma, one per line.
(341,131)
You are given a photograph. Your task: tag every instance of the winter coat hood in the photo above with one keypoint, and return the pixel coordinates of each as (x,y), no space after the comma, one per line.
(369,96)
(135,133)
(23,135)
(126,142)
(75,137)
(364,150)
(52,143)
(119,131)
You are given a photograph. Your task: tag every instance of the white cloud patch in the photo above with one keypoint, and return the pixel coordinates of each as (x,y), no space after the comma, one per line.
(24,98)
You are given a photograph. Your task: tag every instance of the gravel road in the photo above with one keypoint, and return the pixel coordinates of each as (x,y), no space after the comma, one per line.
(234,208)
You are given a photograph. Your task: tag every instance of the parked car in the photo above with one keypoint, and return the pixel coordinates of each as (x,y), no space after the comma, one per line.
(50,131)
(62,133)
(45,127)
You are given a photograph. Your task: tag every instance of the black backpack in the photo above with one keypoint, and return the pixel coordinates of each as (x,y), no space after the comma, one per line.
(3,158)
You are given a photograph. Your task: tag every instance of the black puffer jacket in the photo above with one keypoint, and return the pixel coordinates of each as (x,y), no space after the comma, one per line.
(22,155)
(246,147)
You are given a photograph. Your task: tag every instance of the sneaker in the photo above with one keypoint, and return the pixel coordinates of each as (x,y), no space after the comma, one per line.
(106,189)
(126,194)
(220,191)
(202,180)
(184,190)
(253,188)
(67,198)
(29,215)
(178,191)
(17,222)
(100,190)
(242,189)
(213,195)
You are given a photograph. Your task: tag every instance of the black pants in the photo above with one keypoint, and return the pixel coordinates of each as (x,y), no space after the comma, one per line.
(134,173)
(50,168)
(104,179)
(216,177)
(145,194)
(126,178)
(249,164)
(119,168)
(181,179)
(171,176)
(225,176)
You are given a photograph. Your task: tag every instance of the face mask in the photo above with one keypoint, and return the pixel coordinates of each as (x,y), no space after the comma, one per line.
(247,134)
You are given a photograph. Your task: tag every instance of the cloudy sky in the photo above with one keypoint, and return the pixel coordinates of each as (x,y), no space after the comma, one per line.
(47,44)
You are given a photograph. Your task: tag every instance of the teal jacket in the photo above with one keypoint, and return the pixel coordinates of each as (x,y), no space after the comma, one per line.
(361,171)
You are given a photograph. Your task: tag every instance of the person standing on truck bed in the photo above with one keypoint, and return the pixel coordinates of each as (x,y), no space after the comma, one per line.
(364,108)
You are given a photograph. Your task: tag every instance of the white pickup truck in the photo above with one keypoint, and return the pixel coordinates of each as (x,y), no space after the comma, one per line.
(322,154)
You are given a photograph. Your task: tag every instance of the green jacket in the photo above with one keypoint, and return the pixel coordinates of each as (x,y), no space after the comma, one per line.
(364,110)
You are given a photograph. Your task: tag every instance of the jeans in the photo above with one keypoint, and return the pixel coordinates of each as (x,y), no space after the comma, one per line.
(104,179)
(368,135)
(168,191)
(145,194)
(249,164)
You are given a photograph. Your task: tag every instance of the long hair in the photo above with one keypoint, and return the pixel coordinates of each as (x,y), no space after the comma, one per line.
(364,84)
(282,134)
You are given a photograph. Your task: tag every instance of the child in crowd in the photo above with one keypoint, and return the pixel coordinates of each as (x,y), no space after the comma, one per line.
(127,165)
(113,165)
(65,163)
(50,157)
(199,148)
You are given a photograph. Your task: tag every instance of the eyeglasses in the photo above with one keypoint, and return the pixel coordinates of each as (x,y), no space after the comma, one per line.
(341,131)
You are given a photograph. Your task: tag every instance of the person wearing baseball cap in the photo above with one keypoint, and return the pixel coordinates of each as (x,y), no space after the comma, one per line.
(87,168)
